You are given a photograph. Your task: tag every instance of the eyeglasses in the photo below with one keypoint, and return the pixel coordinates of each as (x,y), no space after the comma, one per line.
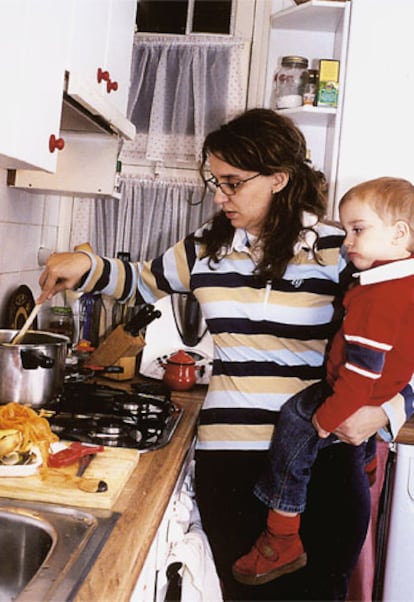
(227,188)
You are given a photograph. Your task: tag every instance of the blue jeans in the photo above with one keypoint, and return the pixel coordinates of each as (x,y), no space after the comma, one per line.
(293,451)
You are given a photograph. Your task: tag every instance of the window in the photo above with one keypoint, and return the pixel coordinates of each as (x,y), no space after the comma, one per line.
(184,16)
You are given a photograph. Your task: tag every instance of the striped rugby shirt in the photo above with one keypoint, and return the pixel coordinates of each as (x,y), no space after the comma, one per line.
(269,341)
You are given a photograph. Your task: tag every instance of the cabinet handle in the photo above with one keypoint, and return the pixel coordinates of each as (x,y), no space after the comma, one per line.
(111,86)
(55,143)
(102,75)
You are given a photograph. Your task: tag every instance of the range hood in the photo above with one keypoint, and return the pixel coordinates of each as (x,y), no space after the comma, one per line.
(85,110)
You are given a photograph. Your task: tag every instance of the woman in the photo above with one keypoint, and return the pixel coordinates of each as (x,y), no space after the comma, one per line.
(268,274)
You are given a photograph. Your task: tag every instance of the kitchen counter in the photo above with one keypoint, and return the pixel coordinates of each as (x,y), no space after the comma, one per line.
(142,504)
(406,434)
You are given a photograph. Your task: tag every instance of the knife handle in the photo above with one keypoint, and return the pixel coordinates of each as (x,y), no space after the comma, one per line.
(145,316)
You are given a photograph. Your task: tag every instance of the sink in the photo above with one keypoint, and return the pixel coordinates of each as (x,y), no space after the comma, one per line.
(46,550)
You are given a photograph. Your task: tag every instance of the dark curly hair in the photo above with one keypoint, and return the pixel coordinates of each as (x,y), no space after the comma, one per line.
(264,141)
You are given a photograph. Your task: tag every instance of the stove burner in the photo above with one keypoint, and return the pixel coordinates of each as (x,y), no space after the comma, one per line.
(144,418)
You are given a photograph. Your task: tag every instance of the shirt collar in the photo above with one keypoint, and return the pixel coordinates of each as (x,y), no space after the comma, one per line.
(243,241)
(382,272)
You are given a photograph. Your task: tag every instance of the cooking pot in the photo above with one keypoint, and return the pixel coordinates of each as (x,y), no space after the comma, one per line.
(33,371)
(180,371)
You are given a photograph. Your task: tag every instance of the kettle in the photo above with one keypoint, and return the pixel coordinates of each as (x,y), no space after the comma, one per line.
(180,371)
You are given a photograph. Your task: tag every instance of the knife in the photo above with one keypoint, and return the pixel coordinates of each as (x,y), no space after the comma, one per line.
(145,316)
(90,485)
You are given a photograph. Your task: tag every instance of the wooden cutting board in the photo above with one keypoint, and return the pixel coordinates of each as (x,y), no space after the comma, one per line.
(114,466)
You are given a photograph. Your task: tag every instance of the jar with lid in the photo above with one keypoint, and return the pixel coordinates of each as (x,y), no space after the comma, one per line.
(289,83)
(60,321)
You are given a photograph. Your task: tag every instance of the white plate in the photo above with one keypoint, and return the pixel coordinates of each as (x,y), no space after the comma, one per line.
(22,470)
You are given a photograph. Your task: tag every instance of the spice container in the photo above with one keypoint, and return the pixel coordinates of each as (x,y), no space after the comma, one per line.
(311,89)
(289,83)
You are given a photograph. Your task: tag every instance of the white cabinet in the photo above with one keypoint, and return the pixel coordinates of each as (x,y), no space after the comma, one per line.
(317,29)
(86,166)
(32,73)
(101,38)
(377,129)
(71,40)
(370,133)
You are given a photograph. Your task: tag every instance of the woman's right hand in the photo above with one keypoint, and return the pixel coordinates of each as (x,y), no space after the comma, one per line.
(63,271)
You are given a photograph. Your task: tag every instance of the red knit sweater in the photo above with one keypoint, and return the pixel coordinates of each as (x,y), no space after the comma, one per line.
(372,355)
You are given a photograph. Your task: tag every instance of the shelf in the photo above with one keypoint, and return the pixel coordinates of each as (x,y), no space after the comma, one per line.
(315,15)
(309,115)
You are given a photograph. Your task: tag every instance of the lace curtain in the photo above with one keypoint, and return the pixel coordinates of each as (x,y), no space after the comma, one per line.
(181,88)
(149,217)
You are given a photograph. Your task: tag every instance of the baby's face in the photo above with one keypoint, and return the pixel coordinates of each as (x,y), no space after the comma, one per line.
(369,238)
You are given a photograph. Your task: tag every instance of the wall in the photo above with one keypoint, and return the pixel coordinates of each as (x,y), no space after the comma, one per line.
(27,222)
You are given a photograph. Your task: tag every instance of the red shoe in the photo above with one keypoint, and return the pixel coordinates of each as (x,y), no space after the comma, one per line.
(270,557)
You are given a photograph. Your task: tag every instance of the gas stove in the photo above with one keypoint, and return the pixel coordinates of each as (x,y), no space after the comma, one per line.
(142,418)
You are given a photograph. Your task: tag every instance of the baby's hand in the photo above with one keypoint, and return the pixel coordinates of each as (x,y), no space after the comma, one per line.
(321,432)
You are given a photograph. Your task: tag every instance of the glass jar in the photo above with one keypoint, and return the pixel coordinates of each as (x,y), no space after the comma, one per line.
(289,82)
(60,321)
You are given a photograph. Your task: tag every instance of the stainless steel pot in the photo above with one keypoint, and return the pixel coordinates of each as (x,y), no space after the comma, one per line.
(32,372)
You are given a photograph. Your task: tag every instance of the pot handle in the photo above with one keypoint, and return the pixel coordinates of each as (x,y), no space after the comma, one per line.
(34,359)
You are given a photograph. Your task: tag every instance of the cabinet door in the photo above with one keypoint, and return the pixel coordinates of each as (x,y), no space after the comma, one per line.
(87,51)
(119,49)
(32,73)
(101,47)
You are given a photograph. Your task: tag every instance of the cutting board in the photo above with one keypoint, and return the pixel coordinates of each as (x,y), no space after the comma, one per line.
(114,466)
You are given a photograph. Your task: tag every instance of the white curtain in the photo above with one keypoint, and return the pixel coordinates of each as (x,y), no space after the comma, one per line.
(149,217)
(181,88)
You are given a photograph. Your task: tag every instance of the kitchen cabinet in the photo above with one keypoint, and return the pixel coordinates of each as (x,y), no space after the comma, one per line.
(32,73)
(101,39)
(317,29)
(90,117)
(85,166)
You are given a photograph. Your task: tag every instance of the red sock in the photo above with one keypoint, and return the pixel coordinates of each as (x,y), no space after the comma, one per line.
(280,524)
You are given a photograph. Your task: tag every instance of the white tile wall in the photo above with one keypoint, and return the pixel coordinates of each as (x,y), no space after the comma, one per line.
(28,221)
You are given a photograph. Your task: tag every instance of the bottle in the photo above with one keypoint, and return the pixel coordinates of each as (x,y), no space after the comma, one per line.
(289,82)
(311,88)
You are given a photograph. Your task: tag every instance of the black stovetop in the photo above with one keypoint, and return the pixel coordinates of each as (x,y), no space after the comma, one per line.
(143,417)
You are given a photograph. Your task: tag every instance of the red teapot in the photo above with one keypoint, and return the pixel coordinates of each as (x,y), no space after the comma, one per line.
(180,371)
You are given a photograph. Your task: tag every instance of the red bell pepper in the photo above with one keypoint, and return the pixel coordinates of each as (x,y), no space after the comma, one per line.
(71,454)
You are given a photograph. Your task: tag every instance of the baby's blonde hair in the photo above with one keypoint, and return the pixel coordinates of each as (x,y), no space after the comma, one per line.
(391,198)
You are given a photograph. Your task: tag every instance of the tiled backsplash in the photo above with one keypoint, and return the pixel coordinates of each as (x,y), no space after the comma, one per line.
(28,221)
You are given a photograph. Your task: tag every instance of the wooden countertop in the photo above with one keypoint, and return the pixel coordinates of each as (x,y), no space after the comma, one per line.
(142,505)
(406,434)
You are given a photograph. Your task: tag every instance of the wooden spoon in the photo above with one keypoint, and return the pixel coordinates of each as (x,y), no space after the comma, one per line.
(19,335)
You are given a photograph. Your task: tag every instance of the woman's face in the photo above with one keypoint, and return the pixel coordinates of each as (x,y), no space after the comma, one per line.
(248,207)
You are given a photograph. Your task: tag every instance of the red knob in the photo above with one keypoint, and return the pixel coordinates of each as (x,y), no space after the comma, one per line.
(102,75)
(111,86)
(55,143)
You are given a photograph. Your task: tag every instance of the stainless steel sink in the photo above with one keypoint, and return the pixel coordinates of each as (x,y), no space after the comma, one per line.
(46,550)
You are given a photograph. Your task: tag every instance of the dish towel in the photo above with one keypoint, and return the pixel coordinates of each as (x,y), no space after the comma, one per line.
(200,582)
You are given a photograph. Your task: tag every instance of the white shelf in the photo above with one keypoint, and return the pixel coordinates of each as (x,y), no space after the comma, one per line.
(315,15)
(310,115)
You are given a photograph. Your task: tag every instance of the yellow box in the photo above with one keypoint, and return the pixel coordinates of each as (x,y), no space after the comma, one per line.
(328,83)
